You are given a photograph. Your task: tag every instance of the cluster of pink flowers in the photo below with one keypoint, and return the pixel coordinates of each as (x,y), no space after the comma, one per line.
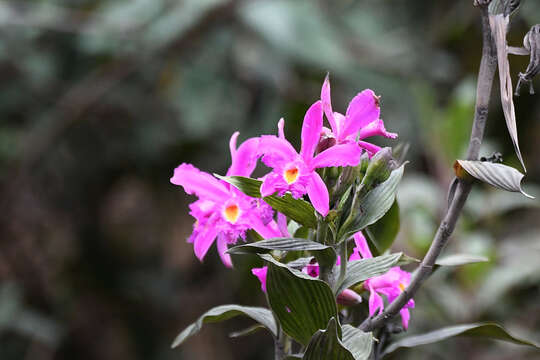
(224,213)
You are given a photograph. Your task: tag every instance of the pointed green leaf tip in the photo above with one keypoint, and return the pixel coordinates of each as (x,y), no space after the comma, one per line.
(302,304)
(460,259)
(326,344)
(296,209)
(498,175)
(225,312)
(483,330)
(282,244)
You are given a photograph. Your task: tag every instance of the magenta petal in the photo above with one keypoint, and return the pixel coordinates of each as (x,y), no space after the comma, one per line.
(375,302)
(405,317)
(281,128)
(266,231)
(261,274)
(204,240)
(311,131)
(362,245)
(371,149)
(245,158)
(362,110)
(318,194)
(222,248)
(282,225)
(327,104)
(276,150)
(375,128)
(339,155)
(232,143)
(199,183)
(270,184)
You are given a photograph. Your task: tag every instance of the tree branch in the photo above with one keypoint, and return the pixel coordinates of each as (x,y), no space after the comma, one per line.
(486,74)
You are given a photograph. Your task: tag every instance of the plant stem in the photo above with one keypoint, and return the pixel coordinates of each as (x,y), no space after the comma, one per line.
(486,74)
(342,264)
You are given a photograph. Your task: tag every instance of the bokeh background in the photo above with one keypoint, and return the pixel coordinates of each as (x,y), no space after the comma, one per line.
(100,100)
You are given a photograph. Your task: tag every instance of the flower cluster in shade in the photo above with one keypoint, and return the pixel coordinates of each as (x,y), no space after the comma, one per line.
(223,214)
(390,284)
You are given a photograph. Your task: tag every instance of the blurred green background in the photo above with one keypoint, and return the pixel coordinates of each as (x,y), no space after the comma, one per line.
(100,100)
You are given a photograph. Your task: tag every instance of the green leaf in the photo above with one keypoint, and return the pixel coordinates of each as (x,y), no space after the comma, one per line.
(302,304)
(482,330)
(374,205)
(359,343)
(384,232)
(282,244)
(460,259)
(225,312)
(300,263)
(296,209)
(497,175)
(326,345)
(250,187)
(361,270)
(245,332)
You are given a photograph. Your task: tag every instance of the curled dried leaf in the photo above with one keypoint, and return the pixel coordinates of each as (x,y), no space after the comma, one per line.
(498,175)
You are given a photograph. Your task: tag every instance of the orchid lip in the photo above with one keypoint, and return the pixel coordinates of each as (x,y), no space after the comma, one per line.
(231,213)
(291,175)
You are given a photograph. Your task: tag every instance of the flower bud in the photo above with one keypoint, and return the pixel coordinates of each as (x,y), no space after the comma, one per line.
(379,169)
(349,298)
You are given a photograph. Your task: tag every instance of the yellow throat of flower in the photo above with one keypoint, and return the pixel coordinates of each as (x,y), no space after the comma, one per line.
(291,175)
(401,286)
(231,213)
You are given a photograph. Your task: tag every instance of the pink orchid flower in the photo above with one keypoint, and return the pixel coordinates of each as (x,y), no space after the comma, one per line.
(361,119)
(295,172)
(390,284)
(222,211)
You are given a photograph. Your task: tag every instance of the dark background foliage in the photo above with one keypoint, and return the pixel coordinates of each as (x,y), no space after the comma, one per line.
(100,100)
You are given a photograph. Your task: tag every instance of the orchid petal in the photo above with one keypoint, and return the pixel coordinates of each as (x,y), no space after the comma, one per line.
(318,194)
(405,317)
(338,155)
(199,183)
(363,109)
(327,104)
(222,248)
(375,128)
(276,150)
(204,240)
(375,302)
(266,231)
(340,123)
(261,274)
(362,245)
(232,143)
(282,225)
(281,128)
(311,131)
(271,183)
(371,149)
(244,160)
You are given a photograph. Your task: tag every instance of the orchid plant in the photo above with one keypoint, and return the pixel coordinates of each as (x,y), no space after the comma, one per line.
(332,285)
